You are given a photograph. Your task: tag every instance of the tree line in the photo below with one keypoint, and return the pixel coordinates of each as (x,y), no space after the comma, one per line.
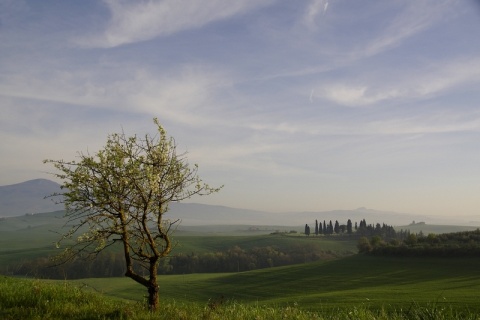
(466,243)
(234,259)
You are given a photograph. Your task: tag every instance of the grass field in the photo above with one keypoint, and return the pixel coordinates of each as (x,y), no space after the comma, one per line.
(362,281)
(356,287)
(34,299)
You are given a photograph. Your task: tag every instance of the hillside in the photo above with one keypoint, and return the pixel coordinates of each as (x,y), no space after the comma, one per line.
(435,228)
(444,288)
(375,282)
(28,197)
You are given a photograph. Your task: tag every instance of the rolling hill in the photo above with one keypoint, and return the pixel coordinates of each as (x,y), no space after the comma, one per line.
(376,282)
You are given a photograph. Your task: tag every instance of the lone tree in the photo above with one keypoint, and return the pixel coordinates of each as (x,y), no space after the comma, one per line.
(121,195)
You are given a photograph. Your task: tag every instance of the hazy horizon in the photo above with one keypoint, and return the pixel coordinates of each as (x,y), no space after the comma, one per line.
(293,106)
(30,194)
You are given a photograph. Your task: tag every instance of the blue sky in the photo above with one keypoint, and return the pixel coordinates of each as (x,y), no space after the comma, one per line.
(292,105)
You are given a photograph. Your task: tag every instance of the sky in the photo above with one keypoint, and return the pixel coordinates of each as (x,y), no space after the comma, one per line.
(307,105)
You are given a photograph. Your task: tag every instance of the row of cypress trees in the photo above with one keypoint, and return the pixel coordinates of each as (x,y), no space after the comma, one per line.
(359,229)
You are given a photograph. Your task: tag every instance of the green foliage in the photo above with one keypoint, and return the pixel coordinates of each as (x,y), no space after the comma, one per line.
(466,243)
(237,259)
(122,192)
(364,245)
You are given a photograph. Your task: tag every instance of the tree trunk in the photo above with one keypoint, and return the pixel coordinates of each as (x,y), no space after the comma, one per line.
(153,298)
(152,287)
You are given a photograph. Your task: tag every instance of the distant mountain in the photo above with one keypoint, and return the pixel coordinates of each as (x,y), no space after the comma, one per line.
(194,214)
(28,197)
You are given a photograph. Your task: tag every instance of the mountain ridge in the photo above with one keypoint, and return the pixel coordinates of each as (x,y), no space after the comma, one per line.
(28,197)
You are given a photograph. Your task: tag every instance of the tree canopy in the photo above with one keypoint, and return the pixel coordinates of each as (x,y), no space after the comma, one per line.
(121,195)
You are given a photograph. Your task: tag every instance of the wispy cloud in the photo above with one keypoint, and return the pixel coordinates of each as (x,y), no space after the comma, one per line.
(316,8)
(347,38)
(422,82)
(440,79)
(439,122)
(412,18)
(281,101)
(174,96)
(356,96)
(134,21)
(401,124)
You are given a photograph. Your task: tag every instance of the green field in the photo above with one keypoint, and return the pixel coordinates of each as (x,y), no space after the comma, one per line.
(356,287)
(372,282)
(355,283)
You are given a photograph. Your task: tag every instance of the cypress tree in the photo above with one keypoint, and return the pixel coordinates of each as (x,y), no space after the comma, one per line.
(337,227)
(349,226)
(307,230)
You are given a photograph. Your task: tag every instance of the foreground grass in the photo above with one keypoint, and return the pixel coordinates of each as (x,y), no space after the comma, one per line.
(35,299)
